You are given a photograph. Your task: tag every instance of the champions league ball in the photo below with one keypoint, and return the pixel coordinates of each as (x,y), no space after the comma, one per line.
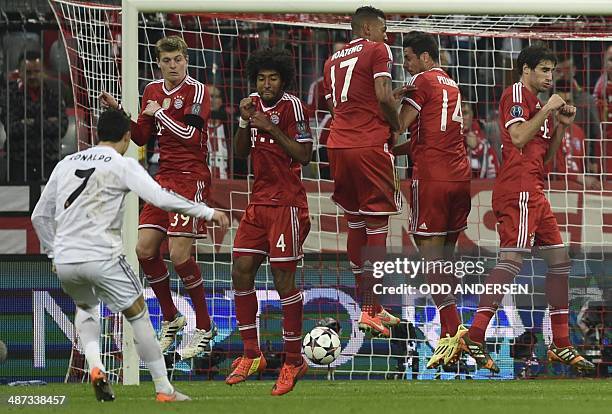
(322,345)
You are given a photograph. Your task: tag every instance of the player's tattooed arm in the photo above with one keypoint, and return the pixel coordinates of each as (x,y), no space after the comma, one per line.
(387,102)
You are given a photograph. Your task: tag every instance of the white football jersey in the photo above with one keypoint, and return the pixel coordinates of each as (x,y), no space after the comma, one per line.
(80,212)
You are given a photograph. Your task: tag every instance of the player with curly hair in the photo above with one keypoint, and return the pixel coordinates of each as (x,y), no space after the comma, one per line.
(274,130)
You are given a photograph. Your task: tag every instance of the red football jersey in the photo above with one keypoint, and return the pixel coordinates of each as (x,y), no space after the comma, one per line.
(278,179)
(570,156)
(182,147)
(603,97)
(483,159)
(437,145)
(348,80)
(521,170)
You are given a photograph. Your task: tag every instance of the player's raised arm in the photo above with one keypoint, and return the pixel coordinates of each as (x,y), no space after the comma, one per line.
(43,216)
(299,151)
(242,138)
(565,117)
(194,116)
(523,132)
(142,129)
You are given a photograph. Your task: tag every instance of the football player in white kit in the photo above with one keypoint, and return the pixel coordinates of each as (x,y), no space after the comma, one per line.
(78,220)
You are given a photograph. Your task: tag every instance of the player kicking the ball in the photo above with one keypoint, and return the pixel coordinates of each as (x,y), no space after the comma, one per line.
(525,219)
(78,220)
(274,130)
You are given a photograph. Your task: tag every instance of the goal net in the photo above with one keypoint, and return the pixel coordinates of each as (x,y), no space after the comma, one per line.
(479,52)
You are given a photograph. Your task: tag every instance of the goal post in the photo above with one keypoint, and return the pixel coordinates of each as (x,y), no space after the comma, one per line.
(473,7)
(248,24)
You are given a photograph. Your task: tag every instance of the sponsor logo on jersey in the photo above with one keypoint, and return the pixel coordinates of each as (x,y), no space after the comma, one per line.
(178,103)
(166,103)
(516,111)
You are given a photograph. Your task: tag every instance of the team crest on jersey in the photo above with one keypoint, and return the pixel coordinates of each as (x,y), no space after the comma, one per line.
(178,102)
(516,111)
(275,117)
(166,103)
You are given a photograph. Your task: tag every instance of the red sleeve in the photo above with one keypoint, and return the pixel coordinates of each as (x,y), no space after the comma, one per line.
(418,98)
(382,60)
(199,103)
(327,89)
(142,130)
(513,108)
(298,123)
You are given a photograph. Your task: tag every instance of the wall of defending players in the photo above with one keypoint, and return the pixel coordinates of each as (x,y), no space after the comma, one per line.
(582,216)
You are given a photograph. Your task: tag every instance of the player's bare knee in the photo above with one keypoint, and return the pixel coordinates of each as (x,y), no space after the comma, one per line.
(555,257)
(284,285)
(148,243)
(178,258)
(515,257)
(284,279)
(243,273)
(180,249)
(145,251)
(431,247)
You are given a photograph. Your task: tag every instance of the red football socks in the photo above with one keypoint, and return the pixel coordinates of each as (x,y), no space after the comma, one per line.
(189,272)
(156,272)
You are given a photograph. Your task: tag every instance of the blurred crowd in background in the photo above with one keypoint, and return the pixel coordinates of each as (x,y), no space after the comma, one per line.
(39,118)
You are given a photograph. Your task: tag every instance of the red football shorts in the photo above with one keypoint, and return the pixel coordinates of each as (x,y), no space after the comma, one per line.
(275,231)
(365,181)
(525,220)
(439,207)
(176,224)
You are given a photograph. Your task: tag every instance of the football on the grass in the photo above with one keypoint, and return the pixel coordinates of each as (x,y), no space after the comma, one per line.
(322,345)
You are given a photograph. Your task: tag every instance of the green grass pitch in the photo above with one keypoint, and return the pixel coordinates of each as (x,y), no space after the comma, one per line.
(334,397)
